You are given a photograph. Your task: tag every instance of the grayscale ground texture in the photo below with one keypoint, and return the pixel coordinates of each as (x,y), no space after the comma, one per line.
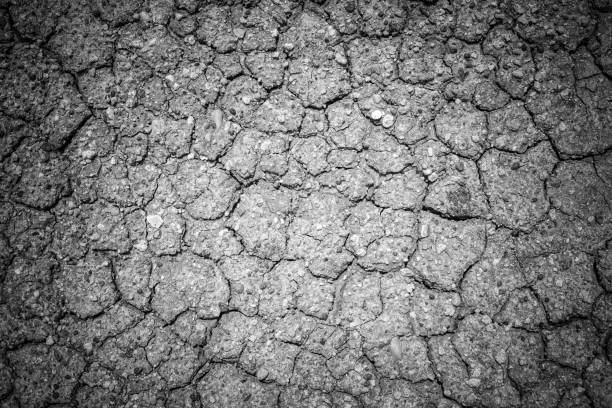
(325,204)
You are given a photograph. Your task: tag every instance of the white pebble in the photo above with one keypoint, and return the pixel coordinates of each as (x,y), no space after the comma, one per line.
(155,220)
(376,114)
(388,120)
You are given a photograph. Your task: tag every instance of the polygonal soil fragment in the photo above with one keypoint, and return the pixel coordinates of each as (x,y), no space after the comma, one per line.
(269,360)
(254,154)
(310,371)
(269,68)
(246,278)
(242,98)
(289,285)
(107,229)
(555,384)
(206,190)
(512,129)
(514,185)
(384,154)
(313,77)
(458,192)
(405,358)
(488,96)
(463,129)
(522,309)
(421,61)
(82,41)
(260,26)
(28,290)
(317,87)
(132,275)
(575,119)
(560,22)
(560,232)
(260,220)
(357,301)
(565,282)
(490,282)
(312,153)
(42,180)
(45,375)
(394,242)
(603,53)
(474,22)
(215,28)
(447,249)
(211,239)
(598,382)
(173,135)
(188,282)
(401,191)
(36,20)
(515,65)
(483,347)
(417,108)
(347,126)
(12,132)
(344,15)
(573,345)
(165,229)
(213,134)
(373,59)
(88,286)
(452,370)
(524,355)
(469,67)
(382,17)
(231,335)
(281,112)
(575,188)
(117,12)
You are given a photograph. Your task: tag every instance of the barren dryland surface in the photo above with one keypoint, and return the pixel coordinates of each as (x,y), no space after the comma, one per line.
(275,203)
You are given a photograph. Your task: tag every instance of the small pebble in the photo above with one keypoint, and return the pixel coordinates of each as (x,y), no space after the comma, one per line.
(473,382)
(424,230)
(501,357)
(155,220)
(388,120)
(376,114)
(396,348)
(261,374)
(518,73)
(88,154)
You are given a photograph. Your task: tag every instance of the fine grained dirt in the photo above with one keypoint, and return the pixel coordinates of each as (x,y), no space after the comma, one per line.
(325,204)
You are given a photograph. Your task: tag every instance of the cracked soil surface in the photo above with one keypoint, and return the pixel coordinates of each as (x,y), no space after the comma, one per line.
(340,203)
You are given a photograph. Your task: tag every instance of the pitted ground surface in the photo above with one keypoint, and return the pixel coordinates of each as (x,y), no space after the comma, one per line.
(327,204)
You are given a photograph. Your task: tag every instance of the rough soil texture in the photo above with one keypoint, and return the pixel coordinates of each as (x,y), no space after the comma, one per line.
(271,203)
